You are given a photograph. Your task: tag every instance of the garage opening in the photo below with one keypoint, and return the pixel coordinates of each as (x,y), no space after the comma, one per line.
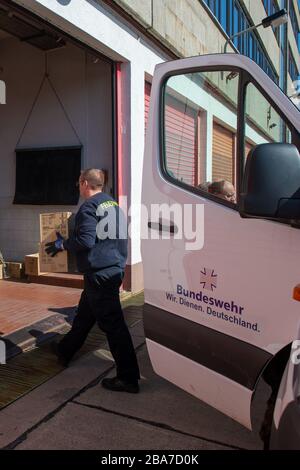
(58,118)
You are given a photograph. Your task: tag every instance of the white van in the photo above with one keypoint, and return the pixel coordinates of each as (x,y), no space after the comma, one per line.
(221,261)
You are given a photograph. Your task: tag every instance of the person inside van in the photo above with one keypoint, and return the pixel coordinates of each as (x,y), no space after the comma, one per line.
(223,189)
(204,185)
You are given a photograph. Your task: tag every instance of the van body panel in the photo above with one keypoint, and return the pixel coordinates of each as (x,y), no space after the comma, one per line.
(210,387)
(250,265)
(237,360)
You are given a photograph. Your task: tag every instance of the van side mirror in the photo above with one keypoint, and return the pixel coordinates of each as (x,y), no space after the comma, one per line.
(271,184)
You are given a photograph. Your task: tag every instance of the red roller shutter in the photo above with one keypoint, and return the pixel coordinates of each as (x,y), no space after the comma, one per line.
(223,154)
(181,131)
(181,141)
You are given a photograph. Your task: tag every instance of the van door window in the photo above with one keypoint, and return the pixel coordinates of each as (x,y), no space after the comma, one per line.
(200,127)
(263,123)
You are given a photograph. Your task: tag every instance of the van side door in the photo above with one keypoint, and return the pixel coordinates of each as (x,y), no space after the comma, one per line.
(218,302)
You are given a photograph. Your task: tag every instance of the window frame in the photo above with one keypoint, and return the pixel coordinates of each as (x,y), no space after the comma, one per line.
(294,23)
(292,64)
(244,79)
(162,152)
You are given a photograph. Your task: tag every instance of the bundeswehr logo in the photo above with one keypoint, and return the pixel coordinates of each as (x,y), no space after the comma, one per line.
(208,278)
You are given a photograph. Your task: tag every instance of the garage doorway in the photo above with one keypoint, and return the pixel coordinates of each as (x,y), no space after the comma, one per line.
(60,94)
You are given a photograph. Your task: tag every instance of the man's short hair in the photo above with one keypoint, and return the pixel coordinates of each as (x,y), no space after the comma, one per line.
(94,177)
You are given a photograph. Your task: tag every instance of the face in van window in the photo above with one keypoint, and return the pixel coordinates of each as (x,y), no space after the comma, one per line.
(223,189)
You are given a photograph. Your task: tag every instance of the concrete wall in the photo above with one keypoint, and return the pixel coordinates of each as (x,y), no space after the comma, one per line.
(140,9)
(186,27)
(182,25)
(85,89)
(257,11)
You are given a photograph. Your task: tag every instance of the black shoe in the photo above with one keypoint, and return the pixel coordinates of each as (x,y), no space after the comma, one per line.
(60,358)
(118,385)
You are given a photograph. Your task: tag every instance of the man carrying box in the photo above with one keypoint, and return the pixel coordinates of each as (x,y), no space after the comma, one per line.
(101,256)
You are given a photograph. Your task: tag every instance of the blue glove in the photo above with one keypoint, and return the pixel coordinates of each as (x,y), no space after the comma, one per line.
(52,248)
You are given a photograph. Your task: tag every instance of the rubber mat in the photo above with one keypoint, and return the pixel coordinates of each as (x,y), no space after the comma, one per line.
(30,369)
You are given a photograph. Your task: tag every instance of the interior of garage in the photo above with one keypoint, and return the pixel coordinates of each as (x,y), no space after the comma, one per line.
(58,96)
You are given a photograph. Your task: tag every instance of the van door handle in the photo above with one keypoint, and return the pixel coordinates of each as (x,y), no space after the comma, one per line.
(162,226)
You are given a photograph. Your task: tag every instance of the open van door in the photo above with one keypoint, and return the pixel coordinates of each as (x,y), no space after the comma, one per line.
(220,260)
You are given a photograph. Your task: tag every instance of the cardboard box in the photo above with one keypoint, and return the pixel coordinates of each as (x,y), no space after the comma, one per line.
(15,270)
(3,271)
(32,265)
(49,225)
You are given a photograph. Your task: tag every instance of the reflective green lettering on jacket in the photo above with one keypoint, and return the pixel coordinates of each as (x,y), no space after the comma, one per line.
(107,204)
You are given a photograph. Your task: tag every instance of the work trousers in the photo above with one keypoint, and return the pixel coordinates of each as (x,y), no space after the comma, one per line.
(100,302)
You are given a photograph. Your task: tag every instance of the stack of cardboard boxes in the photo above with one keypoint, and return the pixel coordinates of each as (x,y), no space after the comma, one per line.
(15,270)
(32,265)
(39,263)
(11,269)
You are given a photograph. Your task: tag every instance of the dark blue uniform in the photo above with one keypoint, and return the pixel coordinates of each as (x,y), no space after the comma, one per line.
(99,242)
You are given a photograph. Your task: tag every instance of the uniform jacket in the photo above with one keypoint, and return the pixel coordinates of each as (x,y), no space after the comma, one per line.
(99,240)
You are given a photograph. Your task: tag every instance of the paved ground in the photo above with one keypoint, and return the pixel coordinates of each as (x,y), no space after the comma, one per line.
(73,411)
(31,313)
(37,364)
(23,304)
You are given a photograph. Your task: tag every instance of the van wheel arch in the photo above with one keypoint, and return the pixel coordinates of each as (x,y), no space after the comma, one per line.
(272,375)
